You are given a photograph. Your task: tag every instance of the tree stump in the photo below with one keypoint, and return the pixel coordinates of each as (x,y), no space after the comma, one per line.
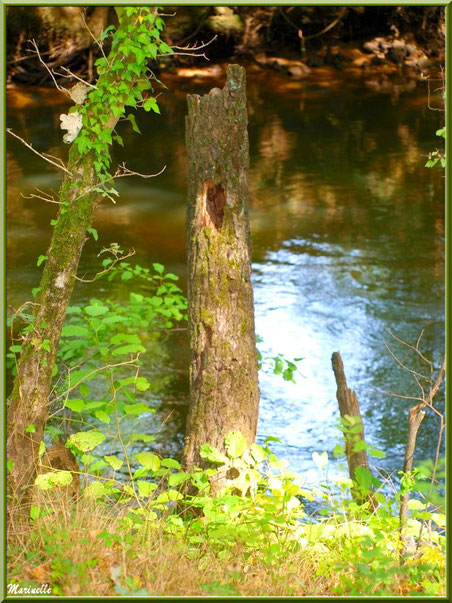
(224,393)
(349,407)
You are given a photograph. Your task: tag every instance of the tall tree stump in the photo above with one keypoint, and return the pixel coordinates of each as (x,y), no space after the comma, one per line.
(224,393)
(349,407)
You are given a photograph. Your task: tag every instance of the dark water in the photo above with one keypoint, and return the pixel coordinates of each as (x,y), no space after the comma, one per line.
(347,234)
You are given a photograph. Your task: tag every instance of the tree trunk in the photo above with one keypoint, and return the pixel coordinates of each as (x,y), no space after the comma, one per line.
(224,393)
(29,399)
(349,407)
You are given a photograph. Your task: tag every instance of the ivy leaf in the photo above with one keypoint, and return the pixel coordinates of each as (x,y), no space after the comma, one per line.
(151,103)
(92,231)
(165,49)
(132,120)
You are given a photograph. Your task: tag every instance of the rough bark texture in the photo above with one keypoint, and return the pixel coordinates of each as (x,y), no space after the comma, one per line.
(29,399)
(349,406)
(30,396)
(224,393)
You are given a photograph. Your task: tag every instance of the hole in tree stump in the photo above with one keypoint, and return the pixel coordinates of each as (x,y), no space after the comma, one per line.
(213,202)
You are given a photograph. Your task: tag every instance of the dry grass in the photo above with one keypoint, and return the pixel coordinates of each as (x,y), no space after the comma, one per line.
(64,550)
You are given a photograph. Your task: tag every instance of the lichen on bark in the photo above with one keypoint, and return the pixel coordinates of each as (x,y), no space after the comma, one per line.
(224,394)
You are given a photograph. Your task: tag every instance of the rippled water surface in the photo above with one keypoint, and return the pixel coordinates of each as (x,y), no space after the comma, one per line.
(347,234)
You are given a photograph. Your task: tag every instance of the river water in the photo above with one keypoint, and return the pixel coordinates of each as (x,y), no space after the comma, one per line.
(347,236)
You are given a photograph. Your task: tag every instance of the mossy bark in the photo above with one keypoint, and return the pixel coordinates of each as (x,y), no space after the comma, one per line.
(224,394)
(28,404)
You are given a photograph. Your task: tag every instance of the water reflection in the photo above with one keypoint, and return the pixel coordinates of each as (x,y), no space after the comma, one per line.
(347,234)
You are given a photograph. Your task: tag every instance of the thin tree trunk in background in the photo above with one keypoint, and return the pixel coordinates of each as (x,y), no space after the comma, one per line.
(28,405)
(224,393)
(349,406)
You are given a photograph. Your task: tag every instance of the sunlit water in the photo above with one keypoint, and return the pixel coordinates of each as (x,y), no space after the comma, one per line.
(348,243)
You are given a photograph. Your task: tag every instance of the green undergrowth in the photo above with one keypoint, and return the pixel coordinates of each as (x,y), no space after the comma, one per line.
(243,524)
(156,536)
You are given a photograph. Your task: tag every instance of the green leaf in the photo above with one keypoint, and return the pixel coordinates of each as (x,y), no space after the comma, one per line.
(94,490)
(41,258)
(359,445)
(165,49)
(170,463)
(212,455)
(114,462)
(74,331)
(235,444)
(124,338)
(102,416)
(363,478)
(170,495)
(31,429)
(338,451)
(149,460)
(128,349)
(141,437)
(87,440)
(132,120)
(151,104)
(158,267)
(84,390)
(93,232)
(118,139)
(53,479)
(76,405)
(379,454)
(140,383)
(34,512)
(258,452)
(145,488)
(175,479)
(96,310)
(137,409)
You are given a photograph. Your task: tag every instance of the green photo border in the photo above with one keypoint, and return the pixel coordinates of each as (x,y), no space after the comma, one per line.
(3,6)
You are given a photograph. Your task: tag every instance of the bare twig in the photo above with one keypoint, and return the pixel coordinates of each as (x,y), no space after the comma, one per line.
(60,165)
(36,51)
(70,74)
(416,415)
(118,259)
(403,366)
(43,196)
(101,46)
